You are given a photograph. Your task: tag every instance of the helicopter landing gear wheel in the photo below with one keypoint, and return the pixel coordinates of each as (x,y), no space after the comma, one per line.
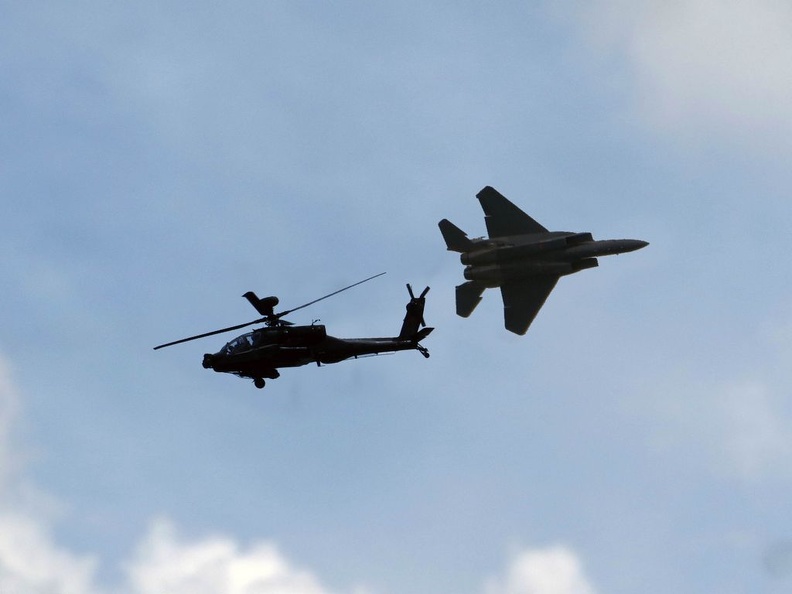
(259,382)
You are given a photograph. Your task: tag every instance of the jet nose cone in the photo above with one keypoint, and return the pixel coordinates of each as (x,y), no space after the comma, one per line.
(630,245)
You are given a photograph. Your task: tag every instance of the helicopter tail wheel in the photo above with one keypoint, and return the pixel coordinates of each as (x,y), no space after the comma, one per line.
(423,350)
(259,382)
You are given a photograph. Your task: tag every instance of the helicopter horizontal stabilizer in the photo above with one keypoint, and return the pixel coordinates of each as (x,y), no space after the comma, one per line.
(423,333)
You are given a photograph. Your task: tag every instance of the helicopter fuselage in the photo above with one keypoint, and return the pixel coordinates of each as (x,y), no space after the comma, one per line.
(259,354)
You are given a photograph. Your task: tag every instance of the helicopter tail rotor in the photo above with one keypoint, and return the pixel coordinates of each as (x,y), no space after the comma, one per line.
(421,299)
(414,320)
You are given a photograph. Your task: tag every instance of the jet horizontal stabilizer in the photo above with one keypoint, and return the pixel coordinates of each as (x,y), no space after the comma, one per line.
(468,296)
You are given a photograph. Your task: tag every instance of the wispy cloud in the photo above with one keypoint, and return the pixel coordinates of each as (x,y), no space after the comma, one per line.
(739,427)
(32,562)
(702,66)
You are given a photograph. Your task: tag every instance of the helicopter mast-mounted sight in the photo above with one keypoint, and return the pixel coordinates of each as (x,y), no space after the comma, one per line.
(264,306)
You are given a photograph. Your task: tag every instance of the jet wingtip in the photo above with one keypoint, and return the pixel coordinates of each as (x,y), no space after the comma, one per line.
(486,191)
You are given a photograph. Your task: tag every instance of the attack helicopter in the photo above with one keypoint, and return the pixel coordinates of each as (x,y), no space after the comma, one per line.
(278,343)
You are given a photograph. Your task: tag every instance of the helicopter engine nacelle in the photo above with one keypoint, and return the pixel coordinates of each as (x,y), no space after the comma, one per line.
(264,306)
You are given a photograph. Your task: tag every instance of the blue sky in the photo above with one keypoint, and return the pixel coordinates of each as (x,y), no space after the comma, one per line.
(157,162)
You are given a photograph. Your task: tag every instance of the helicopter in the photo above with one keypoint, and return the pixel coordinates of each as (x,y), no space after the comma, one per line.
(260,353)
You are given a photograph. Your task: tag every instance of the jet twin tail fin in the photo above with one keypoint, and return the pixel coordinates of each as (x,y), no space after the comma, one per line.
(456,239)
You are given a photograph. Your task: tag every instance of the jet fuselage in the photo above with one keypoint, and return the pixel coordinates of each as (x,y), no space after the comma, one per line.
(519,258)
(522,257)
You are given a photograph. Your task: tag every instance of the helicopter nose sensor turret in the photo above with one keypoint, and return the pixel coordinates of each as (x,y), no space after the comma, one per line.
(208,361)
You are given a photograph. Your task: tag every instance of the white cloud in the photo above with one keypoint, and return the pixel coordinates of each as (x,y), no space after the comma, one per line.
(740,422)
(555,570)
(31,562)
(757,438)
(742,427)
(8,409)
(164,563)
(721,66)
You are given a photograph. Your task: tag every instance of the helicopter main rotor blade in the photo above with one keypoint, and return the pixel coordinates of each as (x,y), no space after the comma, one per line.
(212,333)
(266,319)
(288,311)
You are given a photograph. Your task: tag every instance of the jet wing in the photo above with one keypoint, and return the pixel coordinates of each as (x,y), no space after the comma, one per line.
(523,300)
(504,218)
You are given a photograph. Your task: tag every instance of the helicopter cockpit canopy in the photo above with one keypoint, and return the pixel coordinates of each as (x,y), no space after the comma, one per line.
(240,344)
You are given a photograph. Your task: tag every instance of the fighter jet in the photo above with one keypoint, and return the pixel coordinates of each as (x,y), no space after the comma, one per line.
(522,258)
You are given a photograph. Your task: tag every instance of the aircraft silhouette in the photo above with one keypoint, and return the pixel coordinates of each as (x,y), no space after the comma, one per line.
(259,354)
(521,257)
